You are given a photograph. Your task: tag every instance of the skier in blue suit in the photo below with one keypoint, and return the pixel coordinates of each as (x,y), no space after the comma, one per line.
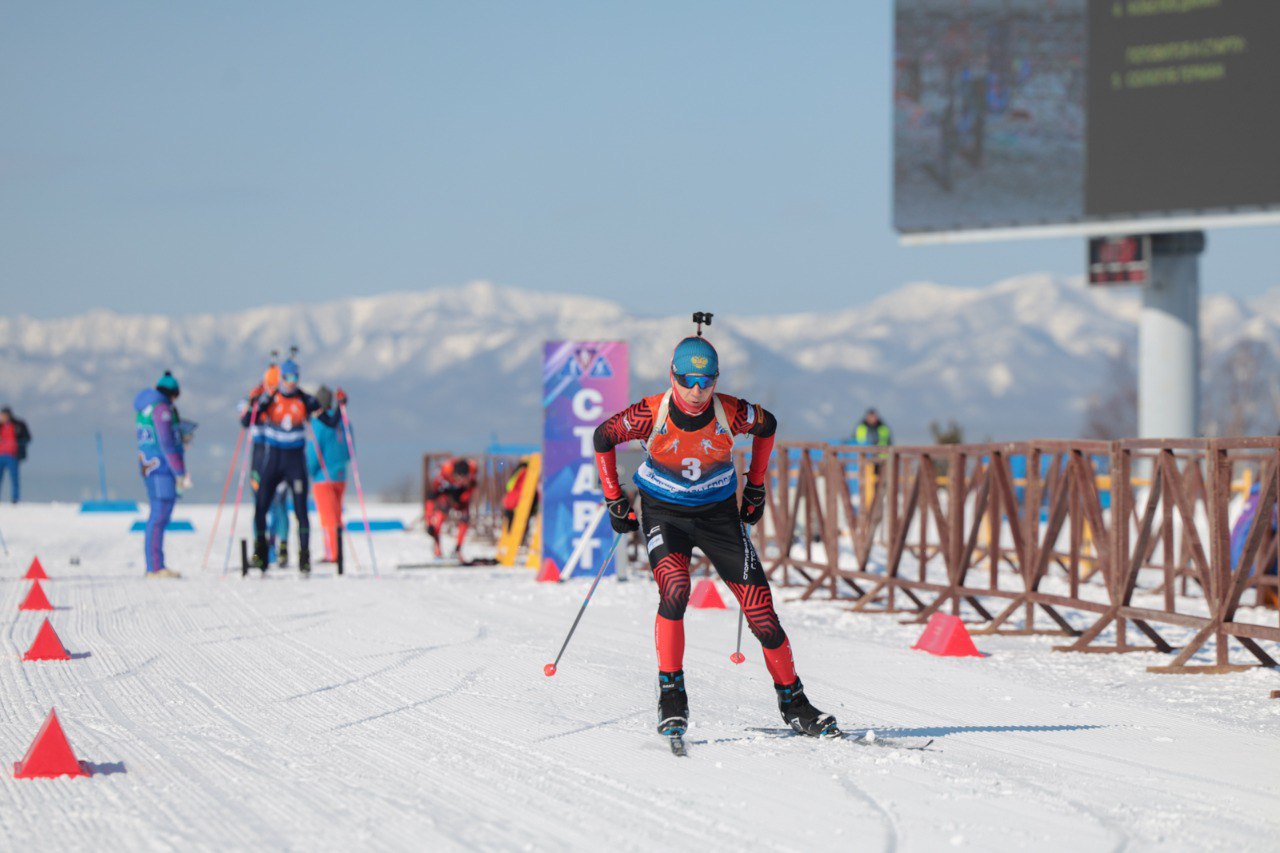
(160,460)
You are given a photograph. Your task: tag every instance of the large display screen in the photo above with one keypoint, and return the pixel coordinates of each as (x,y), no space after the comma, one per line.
(1016,113)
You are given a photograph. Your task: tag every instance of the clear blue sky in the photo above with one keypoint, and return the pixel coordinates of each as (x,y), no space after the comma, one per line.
(182,157)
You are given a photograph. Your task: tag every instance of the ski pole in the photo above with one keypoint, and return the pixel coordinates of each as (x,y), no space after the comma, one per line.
(4,544)
(244,470)
(550,669)
(355,473)
(315,445)
(226,487)
(737,656)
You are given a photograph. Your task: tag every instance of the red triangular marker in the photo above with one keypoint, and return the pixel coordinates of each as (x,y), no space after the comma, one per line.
(946,636)
(47,646)
(36,599)
(50,755)
(706,596)
(549,573)
(35,572)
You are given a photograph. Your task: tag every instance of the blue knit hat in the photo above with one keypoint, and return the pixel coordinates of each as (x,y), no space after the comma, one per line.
(289,368)
(168,384)
(695,355)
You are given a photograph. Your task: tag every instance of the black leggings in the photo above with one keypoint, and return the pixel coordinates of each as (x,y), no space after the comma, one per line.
(717,531)
(288,467)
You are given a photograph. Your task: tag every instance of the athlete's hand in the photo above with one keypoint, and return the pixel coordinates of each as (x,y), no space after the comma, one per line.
(341,397)
(752,503)
(184,483)
(621,516)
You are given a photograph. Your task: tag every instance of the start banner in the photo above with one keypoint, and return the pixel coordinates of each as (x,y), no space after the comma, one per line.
(583,382)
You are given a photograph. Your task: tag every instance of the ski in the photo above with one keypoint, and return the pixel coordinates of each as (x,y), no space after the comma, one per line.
(673,729)
(859,738)
(888,742)
(450,564)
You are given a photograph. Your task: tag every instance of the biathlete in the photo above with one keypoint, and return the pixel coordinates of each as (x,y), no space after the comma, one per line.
(278,513)
(451,490)
(283,414)
(688,488)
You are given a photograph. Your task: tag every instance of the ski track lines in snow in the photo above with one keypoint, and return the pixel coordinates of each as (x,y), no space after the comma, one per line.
(411,713)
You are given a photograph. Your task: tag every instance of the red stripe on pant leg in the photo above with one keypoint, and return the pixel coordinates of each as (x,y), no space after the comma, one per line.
(668,636)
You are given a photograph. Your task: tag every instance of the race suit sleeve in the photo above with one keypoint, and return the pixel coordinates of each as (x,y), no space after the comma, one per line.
(255,410)
(760,424)
(633,423)
(330,417)
(170,441)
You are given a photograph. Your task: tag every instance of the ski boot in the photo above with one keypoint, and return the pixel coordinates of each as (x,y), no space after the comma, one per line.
(259,560)
(304,560)
(673,703)
(799,713)
(673,709)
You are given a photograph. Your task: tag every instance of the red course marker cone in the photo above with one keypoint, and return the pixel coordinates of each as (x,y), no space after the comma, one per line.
(36,599)
(50,755)
(706,596)
(946,636)
(35,572)
(549,573)
(47,646)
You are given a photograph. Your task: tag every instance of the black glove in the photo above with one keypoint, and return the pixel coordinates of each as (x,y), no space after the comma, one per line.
(752,503)
(621,516)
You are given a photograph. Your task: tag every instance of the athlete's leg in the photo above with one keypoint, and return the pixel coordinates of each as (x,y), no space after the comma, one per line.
(270,478)
(670,548)
(436,514)
(296,483)
(464,523)
(725,540)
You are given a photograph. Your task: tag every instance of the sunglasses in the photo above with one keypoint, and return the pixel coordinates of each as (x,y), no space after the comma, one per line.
(694,380)
(289,377)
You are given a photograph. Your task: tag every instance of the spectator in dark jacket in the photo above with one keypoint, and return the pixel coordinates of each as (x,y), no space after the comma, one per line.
(14,437)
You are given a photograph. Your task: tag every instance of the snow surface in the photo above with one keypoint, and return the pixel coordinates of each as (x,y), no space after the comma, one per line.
(411,712)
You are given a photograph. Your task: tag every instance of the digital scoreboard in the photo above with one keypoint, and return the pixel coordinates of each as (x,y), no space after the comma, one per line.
(1036,114)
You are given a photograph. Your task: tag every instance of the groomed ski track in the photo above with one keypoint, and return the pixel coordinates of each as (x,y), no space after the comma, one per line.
(410,712)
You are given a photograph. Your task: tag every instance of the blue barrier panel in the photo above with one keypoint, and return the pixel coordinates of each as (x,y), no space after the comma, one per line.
(175,525)
(376,525)
(109,506)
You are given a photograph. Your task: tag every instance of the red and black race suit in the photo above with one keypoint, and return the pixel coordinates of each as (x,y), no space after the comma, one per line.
(671,531)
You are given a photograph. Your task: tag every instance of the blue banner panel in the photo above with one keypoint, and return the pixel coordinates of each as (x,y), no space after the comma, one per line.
(583,382)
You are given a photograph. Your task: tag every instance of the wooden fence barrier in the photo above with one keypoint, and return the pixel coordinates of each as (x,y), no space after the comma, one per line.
(1127,536)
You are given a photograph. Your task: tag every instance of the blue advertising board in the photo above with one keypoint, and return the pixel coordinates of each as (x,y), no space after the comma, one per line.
(583,383)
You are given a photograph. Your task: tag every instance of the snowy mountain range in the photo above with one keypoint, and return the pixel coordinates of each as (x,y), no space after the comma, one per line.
(453,368)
